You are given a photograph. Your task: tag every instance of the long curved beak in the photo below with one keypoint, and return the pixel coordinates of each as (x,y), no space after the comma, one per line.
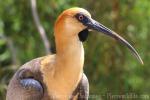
(94,25)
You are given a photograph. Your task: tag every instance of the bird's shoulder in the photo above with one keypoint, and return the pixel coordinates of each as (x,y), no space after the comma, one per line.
(33,68)
(48,60)
(36,64)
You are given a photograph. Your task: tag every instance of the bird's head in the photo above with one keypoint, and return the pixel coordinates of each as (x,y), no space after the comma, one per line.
(78,21)
(70,22)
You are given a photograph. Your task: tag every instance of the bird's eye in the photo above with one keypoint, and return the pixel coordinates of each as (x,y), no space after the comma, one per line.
(81,17)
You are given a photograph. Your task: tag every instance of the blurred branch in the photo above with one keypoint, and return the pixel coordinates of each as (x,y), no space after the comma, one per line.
(40,27)
(12,49)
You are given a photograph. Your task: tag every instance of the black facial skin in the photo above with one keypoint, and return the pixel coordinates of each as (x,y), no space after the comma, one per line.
(82,18)
(84,33)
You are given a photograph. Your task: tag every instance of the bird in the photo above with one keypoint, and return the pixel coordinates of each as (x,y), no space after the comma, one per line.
(60,76)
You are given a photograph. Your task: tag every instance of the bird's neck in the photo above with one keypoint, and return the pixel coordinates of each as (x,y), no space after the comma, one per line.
(70,53)
(69,59)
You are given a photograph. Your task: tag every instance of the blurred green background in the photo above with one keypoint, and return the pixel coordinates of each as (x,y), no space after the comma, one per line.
(109,66)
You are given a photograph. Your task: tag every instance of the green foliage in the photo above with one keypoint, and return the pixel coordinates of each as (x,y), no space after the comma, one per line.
(109,66)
